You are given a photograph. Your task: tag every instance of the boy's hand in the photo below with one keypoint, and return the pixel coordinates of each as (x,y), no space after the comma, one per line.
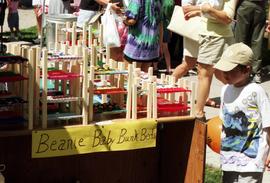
(267,162)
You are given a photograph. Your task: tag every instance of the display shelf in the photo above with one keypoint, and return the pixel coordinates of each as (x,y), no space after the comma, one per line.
(66,71)
(61,75)
(8,58)
(62,99)
(172,90)
(9,76)
(63,116)
(4,93)
(109,90)
(9,101)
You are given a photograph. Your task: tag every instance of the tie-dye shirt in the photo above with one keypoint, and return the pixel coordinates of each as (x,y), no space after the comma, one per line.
(245,112)
(143,37)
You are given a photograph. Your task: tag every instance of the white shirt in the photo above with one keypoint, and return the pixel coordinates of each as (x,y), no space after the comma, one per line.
(245,112)
(39,2)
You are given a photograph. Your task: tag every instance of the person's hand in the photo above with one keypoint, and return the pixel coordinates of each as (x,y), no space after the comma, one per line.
(116,8)
(191,11)
(129,21)
(191,14)
(190,8)
(205,8)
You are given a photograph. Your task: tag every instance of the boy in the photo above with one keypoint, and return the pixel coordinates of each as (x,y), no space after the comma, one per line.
(245,112)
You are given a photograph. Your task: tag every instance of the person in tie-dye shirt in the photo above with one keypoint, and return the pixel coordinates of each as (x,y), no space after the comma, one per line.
(143,43)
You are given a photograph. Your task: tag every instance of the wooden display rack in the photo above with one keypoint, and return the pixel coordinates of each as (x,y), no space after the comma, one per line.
(20,85)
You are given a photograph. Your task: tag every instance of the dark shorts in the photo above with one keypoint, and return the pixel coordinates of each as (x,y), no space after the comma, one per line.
(166,36)
(130,60)
(13,20)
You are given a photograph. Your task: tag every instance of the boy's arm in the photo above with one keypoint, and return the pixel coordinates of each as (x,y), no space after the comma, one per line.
(267,162)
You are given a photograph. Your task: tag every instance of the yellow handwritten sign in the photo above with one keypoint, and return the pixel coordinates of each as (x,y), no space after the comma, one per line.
(110,136)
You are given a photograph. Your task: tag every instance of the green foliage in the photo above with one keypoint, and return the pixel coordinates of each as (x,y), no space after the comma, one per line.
(28,34)
(212,175)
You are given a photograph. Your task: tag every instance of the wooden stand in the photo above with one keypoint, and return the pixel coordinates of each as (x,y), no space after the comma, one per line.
(179,156)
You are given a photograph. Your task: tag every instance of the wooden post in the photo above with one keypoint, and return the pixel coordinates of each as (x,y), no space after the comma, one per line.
(74,37)
(31,81)
(67,31)
(44,89)
(154,100)
(90,36)
(100,38)
(171,96)
(134,97)
(192,98)
(84,34)
(56,40)
(149,99)
(37,85)
(129,91)
(85,99)
(91,93)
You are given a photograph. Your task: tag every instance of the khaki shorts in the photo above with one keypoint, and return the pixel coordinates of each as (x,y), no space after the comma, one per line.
(212,47)
(242,177)
(191,48)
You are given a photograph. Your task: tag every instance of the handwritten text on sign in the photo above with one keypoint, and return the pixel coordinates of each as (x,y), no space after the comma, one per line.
(115,136)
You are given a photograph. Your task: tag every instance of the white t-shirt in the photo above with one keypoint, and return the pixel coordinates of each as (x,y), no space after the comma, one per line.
(217,4)
(39,2)
(245,112)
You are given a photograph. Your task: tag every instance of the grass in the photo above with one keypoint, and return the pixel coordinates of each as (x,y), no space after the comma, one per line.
(28,34)
(212,175)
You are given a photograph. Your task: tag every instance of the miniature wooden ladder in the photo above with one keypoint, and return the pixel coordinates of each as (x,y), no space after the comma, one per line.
(45,100)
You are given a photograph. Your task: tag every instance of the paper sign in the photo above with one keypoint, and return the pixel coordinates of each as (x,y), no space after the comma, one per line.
(113,136)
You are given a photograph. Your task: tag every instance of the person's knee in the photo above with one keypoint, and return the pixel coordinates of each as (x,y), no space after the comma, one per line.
(190,62)
(205,70)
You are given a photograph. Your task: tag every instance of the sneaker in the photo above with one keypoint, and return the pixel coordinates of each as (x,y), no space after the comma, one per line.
(193,72)
(12,37)
(19,35)
(257,78)
(36,41)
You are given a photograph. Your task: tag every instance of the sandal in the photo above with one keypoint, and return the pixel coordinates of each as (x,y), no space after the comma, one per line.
(201,118)
(213,102)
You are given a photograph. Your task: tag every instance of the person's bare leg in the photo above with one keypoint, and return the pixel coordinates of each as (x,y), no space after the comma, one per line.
(167,56)
(187,64)
(39,20)
(145,66)
(205,75)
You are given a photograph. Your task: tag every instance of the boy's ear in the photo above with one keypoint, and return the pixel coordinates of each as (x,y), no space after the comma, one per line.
(248,68)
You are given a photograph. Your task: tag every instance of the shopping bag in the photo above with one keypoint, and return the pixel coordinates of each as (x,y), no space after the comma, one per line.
(187,28)
(110,33)
(123,32)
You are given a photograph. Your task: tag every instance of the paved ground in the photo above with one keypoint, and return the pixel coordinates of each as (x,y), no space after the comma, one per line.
(27,19)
